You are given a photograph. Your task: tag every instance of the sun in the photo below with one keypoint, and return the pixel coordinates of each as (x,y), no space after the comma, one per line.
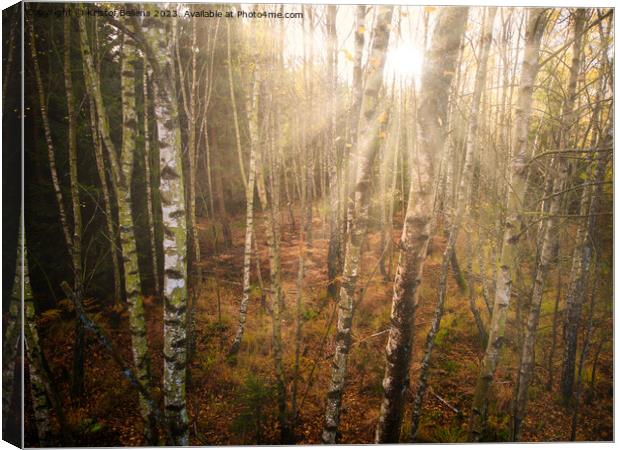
(405,60)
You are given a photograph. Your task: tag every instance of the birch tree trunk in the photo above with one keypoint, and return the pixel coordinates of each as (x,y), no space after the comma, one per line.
(77,381)
(583,252)
(440,63)
(147,170)
(11,341)
(309,130)
(175,229)
(457,217)
(122,173)
(253,125)
(334,255)
(367,145)
(526,365)
(582,257)
(48,137)
(193,152)
(40,403)
(512,228)
(233,103)
(354,115)
(107,202)
(133,283)
(298,298)
(277,296)
(585,350)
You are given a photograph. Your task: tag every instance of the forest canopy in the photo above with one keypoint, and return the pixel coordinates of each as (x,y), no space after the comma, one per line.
(303,224)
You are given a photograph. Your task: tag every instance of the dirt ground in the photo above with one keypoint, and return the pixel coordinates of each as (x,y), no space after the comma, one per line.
(217,393)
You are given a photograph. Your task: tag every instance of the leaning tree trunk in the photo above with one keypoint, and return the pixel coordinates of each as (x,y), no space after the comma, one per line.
(367,147)
(78,358)
(175,229)
(121,175)
(526,364)
(513,224)
(48,137)
(432,119)
(457,217)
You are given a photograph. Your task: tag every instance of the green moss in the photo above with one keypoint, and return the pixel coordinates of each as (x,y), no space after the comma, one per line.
(442,338)
(450,366)
(256,405)
(450,434)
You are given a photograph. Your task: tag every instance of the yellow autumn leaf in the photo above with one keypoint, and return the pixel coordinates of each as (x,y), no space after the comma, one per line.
(430,9)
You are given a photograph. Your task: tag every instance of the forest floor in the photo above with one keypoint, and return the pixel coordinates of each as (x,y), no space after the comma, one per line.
(234,403)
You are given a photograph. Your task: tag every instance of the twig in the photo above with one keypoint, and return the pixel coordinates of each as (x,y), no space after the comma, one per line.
(454,409)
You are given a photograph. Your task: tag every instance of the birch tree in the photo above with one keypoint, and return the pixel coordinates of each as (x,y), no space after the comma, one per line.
(440,62)
(77,384)
(122,172)
(537,21)
(147,169)
(457,217)
(72,236)
(11,341)
(582,253)
(334,247)
(38,379)
(175,229)
(367,147)
(582,258)
(252,106)
(526,365)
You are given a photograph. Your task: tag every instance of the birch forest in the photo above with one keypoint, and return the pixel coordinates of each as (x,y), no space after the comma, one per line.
(305,224)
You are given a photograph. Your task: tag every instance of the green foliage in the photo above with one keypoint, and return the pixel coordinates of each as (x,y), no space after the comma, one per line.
(309,314)
(256,402)
(449,366)
(498,428)
(90,426)
(535,391)
(207,361)
(255,291)
(442,337)
(451,433)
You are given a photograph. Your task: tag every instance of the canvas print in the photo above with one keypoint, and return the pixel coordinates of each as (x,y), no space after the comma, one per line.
(306,223)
